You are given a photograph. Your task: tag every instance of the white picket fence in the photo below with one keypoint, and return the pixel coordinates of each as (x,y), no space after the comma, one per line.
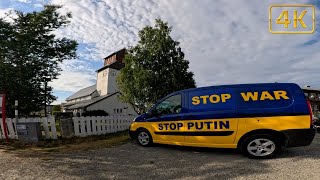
(48,124)
(11,129)
(86,126)
(83,126)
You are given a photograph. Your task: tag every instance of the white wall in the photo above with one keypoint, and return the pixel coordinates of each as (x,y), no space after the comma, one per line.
(102,81)
(111,104)
(112,86)
(106,81)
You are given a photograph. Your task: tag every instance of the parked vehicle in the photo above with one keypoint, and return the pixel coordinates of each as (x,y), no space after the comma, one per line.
(316,122)
(258,119)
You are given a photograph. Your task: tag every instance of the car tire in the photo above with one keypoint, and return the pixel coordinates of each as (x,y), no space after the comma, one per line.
(260,146)
(144,138)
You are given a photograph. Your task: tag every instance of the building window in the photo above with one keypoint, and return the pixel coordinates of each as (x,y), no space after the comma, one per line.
(117,110)
(120,110)
(114,110)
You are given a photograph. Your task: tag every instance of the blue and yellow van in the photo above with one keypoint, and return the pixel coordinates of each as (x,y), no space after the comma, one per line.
(258,119)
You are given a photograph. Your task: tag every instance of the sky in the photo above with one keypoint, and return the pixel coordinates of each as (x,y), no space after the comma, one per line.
(226,42)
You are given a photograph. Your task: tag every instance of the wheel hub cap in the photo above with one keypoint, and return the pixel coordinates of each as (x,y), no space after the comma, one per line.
(261,147)
(143,138)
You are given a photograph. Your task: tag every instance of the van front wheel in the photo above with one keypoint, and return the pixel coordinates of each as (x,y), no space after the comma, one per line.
(144,138)
(260,146)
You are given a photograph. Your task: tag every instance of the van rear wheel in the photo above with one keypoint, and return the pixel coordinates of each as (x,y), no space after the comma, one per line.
(260,146)
(144,138)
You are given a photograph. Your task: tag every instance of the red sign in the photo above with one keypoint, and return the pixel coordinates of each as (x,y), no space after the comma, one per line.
(3,113)
(1,99)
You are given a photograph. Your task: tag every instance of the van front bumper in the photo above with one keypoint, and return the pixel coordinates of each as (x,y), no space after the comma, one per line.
(299,137)
(132,134)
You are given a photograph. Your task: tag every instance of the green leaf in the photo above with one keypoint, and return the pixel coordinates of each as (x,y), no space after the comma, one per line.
(30,55)
(153,68)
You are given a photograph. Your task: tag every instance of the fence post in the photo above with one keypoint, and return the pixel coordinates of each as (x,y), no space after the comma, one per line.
(11,133)
(83,126)
(45,127)
(94,125)
(15,128)
(98,125)
(108,124)
(76,126)
(2,131)
(89,129)
(53,127)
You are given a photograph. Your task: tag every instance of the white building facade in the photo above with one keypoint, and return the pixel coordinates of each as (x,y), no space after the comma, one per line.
(104,94)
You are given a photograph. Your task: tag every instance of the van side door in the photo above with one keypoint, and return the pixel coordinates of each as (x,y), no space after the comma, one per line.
(211,119)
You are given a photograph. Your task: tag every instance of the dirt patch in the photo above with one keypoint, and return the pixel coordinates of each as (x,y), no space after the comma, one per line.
(69,145)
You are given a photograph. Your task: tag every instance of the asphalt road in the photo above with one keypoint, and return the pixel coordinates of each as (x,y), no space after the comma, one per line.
(130,161)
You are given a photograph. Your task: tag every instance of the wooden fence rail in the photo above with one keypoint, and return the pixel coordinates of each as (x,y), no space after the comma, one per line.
(86,126)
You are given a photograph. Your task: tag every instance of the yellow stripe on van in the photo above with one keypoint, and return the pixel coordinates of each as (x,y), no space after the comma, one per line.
(183,132)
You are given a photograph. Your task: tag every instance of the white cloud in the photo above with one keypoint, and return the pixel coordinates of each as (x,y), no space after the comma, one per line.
(24,1)
(38,5)
(75,75)
(4,12)
(225,41)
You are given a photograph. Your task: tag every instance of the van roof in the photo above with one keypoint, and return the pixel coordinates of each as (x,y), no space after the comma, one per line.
(240,85)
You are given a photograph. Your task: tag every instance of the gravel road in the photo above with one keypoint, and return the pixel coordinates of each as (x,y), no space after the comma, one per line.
(130,161)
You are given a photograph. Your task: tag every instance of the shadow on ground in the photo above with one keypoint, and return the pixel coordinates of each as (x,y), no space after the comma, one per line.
(130,161)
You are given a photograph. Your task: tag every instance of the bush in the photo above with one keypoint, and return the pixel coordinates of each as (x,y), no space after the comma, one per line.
(62,115)
(95,113)
(56,108)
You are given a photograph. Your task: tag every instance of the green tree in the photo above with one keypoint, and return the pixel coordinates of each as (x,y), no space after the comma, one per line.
(153,68)
(56,108)
(30,54)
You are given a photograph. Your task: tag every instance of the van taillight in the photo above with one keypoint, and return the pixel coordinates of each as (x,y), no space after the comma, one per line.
(310,112)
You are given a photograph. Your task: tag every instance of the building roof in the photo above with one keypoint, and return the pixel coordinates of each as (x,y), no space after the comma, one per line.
(309,89)
(87,103)
(83,92)
(115,65)
(123,49)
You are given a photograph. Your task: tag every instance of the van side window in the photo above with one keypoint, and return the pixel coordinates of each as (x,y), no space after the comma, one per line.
(171,105)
